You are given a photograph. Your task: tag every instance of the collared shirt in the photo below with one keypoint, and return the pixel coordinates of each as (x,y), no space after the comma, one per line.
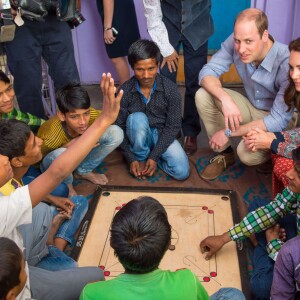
(190,18)
(264,86)
(286,276)
(266,216)
(53,134)
(146,101)
(163,112)
(32,121)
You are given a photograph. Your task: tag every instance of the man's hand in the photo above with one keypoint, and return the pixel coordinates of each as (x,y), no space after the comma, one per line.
(149,168)
(111,103)
(136,169)
(171,61)
(232,114)
(258,139)
(274,233)
(218,140)
(63,203)
(212,244)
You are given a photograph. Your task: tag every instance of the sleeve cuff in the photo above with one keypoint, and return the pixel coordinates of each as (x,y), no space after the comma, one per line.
(273,248)
(236,233)
(275,143)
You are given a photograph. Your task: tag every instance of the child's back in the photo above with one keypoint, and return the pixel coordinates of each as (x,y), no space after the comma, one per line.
(158,284)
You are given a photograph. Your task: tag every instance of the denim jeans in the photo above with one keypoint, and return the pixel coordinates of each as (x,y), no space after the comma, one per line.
(194,60)
(262,275)
(228,294)
(56,260)
(68,228)
(143,139)
(61,190)
(109,141)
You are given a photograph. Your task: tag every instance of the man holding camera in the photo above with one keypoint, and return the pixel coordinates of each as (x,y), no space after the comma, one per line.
(40,33)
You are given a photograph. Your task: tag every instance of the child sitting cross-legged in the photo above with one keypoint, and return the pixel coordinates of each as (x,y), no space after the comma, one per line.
(140,236)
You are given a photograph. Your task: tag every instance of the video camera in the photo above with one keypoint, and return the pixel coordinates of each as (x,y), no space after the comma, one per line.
(7,26)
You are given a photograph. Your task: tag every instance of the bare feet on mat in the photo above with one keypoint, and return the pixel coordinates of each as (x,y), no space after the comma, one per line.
(72,192)
(56,223)
(94,178)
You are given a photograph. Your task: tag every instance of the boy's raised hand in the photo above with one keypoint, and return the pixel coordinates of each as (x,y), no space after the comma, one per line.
(111,103)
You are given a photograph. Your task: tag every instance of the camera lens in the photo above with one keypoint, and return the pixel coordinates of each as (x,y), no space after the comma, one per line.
(77,20)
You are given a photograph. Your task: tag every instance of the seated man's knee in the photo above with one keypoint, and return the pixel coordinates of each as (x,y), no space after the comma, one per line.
(137,119)
(203,100)
(116,133)
(50,157)
(245,156)
(181,173)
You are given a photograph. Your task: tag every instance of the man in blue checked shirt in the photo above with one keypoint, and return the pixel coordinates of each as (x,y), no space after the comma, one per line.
(262,64)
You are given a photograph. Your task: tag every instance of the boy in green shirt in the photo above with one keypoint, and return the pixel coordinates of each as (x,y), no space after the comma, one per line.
(140,236)
(7,110)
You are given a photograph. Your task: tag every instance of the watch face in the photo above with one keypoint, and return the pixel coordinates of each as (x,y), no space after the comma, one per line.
(228,132)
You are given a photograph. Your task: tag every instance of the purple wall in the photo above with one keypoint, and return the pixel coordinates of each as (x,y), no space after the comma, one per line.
(92,59)
(283,15)
(89,47)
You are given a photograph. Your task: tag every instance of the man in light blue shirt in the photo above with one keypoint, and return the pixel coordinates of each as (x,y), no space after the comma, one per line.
(262,64)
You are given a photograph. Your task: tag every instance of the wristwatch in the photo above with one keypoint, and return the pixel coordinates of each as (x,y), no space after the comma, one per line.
(228,132)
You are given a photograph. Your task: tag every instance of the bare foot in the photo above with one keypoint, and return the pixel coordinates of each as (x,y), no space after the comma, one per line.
(72,191)
(95,178)
(56,223)
(275,232)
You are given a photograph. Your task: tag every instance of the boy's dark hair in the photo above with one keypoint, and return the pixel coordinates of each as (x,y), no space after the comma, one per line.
(140,235)
(14,136)
(3,77)
(143,49)
(10,262)
(72,96)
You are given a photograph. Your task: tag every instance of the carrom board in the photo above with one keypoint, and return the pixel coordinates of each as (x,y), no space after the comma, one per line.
(193,214)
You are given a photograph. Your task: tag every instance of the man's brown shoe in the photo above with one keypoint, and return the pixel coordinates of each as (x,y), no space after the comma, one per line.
(217,165)
(190,145)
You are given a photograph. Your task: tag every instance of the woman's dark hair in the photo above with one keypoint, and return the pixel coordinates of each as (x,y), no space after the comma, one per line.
(141,50)
(140,235)
(14,136)
(291,96)
(72,96)
(10,266)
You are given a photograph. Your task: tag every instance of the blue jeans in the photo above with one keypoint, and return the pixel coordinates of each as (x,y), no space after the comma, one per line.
(143,139)
(109,141)
(262,275)
(56,260)
(194,60)
(228,294)
(68,228)
(61,190)
(35,236)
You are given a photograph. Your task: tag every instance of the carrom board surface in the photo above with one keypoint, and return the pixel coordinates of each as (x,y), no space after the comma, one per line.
(192,215)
